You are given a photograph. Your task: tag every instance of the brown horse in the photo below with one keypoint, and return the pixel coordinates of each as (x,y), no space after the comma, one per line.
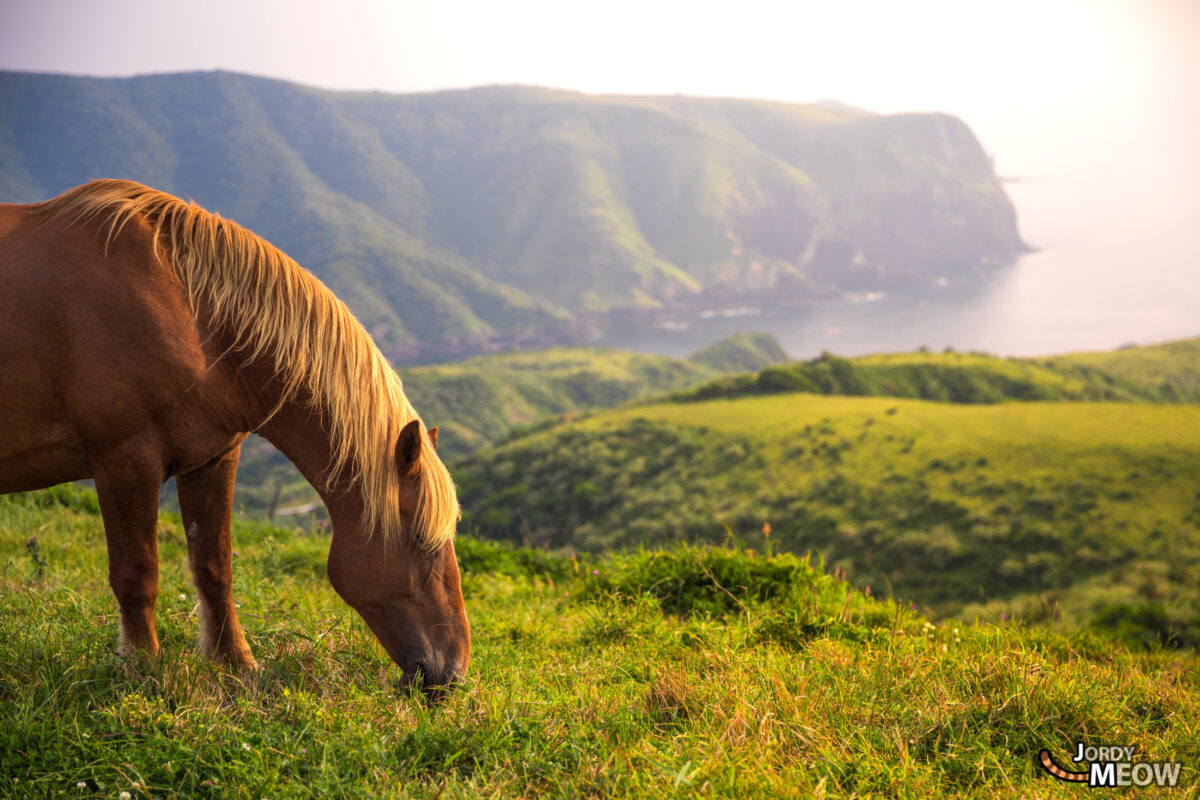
(142,337)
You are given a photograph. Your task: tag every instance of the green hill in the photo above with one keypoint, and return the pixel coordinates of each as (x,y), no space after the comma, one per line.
(662,673)
(485,399)
(1166,374)
(491,398)
(1087,510)
(742,352)
(1169,372)
(462,221)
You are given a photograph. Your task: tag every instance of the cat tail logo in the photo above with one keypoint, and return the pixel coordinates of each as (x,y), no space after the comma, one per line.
(1112,767)
(1047,762)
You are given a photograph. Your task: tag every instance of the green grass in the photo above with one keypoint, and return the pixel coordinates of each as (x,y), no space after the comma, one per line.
(661,673)
(1084,513)
(485,399)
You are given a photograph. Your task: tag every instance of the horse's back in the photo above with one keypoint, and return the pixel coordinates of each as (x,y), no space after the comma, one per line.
(97,347)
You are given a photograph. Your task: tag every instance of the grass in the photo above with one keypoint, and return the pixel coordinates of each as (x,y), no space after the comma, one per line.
(712,671)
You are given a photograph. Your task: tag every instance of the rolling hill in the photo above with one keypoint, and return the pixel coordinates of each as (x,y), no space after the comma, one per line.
(1032,509)
(492,398)
(469,220)
(985,506)
(1163,373)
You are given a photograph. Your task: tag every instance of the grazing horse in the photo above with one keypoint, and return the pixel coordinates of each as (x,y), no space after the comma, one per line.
(143,338)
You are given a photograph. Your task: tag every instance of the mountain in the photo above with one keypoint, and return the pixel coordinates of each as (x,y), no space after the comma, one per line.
(469,220)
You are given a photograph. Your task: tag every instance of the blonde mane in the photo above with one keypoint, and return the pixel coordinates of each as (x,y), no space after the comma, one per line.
(275,309)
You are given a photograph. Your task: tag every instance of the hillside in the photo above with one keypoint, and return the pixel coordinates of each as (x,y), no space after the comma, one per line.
(1171,370)
(679,672)
(742,352)
(1159,374)
(466,220)
(484,399)
(487,399)
(1086,511)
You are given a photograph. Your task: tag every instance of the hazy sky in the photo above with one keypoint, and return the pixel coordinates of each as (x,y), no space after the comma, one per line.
(1036,79)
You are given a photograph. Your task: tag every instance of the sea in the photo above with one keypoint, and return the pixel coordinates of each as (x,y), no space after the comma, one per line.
(1116,262)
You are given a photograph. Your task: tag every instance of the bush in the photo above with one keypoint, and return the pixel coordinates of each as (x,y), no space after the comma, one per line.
(483,556)
(67,495)
(1147,626)
(717,581)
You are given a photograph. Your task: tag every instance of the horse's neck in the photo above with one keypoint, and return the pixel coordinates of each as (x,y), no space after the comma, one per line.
(299,434)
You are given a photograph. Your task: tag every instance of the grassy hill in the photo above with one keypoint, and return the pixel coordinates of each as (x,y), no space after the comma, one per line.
(1159,374)
(742,352)
(484,400)
(1171,371)
(656,674)
(459,221)
(1083,511)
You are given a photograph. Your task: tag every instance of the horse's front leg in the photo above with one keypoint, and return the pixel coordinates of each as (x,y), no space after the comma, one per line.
(127,484)
(206,504)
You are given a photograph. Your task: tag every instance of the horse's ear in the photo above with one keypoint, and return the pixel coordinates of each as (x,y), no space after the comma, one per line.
(433,436)
(408,448)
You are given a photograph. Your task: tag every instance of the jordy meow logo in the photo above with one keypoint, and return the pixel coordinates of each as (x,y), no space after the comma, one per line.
(1112,766)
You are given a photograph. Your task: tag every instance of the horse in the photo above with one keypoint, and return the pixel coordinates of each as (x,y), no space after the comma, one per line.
(142,338)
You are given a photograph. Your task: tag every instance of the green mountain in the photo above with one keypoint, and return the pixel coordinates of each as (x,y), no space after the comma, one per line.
(466,220)
(1169,372)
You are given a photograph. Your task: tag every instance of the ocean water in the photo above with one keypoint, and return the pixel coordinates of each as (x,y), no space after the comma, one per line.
(1117,263)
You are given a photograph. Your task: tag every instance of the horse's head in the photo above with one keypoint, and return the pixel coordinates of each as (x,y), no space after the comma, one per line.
(407,589)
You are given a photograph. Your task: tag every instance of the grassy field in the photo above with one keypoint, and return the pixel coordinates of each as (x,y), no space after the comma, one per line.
(1085,513)
(715,672)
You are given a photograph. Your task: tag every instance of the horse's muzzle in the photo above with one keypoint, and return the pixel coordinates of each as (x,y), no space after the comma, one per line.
(435,684)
